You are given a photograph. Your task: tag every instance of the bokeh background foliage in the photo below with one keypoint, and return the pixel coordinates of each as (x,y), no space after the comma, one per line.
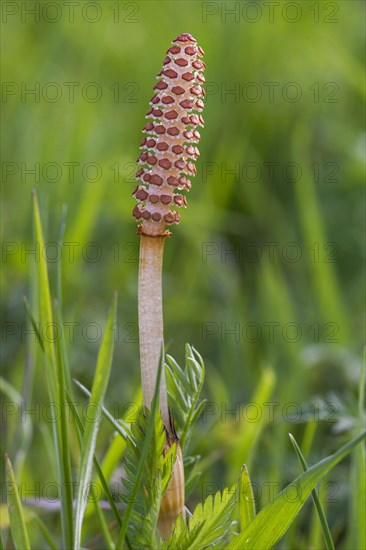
(234,205)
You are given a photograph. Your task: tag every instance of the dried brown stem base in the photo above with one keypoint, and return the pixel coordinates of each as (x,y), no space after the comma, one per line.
(172,503)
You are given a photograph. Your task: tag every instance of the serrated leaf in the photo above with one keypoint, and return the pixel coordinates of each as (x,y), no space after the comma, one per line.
(215,514)
(177,372)
(209,523)
(181,538)
(156,475)
(184,388)
(143,460)
(167,470)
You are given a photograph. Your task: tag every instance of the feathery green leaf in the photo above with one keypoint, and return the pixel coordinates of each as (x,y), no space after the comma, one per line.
(184,388)
(208,525)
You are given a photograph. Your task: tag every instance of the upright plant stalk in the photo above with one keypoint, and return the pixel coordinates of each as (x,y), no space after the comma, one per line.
(166,162)
(151,320)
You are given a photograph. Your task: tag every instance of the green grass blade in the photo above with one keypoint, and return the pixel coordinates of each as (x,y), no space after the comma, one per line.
(66,460)
(357,534)
(272,522)
(53,379)
(103,481)
(246,499)
(63,352)
(32,320)
(360,468)
(45,303)
(23,442)
(113,456)
(144,452)
(92,422)
(324,276)
(17,523)
(60,239)
(323,520)
(45,532)
(102,520)
(249,433)
(106,413)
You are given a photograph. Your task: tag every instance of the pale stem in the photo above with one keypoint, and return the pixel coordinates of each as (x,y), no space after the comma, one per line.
(150,308)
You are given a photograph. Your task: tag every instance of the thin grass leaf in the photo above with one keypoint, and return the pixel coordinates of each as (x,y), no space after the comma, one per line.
(115,452)
(53,379)
(16,518)
(123,431)
(144,452)
(102,480)
(199,410)
(272,522)
(80,433)
(192,475)
(44,292)
(66,460)
(360,465)
(32,320)
(26,427)
(92,422)
(102,520)
(357,534)
(191,483)
(245,443)
(60,240)
(61,232)
(246,499)
(113,455)
(45,531)
(311,217)
(323,520)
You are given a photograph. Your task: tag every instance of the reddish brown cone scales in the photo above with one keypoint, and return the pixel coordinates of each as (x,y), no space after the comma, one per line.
(168,149)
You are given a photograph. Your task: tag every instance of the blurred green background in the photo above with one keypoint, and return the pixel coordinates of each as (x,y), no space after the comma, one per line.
(265,270)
